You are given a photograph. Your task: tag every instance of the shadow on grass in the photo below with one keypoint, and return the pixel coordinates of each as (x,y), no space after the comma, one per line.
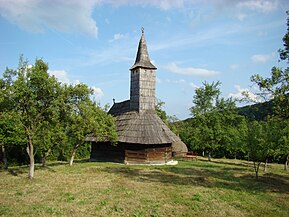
(207,175)
(15,171)
(18,170)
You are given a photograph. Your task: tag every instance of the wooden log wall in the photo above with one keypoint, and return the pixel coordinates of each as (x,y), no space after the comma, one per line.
(148,156)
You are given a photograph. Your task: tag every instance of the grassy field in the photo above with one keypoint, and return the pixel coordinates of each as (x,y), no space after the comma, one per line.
(191,188)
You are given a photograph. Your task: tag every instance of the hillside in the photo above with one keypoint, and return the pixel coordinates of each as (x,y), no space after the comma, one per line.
(257,111)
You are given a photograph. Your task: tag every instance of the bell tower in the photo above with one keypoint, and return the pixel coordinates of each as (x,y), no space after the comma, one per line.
(142,80)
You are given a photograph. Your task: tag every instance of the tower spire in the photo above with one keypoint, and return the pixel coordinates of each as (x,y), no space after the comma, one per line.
(142,58)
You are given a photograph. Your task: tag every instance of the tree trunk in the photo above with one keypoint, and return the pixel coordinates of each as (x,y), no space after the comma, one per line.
(256,168)
(265,165)
(44,157)
(209,157)
(73,155)
(5,162)
(286,163)
(31,158)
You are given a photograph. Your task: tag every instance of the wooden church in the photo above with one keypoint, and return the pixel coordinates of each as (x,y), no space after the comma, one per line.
(143,138)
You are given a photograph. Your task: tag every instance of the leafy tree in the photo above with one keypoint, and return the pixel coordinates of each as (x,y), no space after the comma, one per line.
(256,144)
(272,133)
(171,121)
(215,123)
(275,89)
(11,133)
(82,117)
(205,99)
(277,86)
(282,138)
(32,92)
(50,137)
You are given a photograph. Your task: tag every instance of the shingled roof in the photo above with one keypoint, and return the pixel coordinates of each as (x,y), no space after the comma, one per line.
(143,128)
(120,108)
(142,57)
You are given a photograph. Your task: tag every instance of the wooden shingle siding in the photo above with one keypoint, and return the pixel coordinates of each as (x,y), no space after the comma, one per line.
(149,156)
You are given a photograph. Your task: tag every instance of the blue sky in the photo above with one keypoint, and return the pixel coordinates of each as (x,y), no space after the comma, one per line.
(189,41)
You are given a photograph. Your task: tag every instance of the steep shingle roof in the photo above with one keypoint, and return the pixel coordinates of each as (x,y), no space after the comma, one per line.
(142,57)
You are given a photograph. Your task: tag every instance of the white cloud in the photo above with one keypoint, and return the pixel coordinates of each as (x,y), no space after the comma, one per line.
(180,81)
(193,85)
(234,66)
(262,58)
(162,4)
(172,67)
(76,82)
(61,75)
(241,16)
(62,15)
(66,16)
(259,5)
(97,92)
(118,36)
(75,16)
(240,92)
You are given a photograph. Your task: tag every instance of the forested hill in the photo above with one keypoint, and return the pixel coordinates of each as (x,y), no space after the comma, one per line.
(257,111)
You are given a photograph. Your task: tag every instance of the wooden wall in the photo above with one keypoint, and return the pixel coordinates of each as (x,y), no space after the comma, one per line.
(142,89)
(104,151)
(148,156)
(131,153)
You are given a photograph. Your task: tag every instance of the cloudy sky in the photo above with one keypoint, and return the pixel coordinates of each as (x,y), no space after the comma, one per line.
(190,42)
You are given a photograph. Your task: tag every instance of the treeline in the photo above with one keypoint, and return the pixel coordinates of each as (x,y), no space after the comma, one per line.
(42,118)
(218,129)
(259,132)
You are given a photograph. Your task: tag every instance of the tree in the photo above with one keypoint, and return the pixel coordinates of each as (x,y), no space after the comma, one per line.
(49,137)
(32,94)
(11,133)
(205,99)
(83,116)
(170,121)
(215,123)
(277,86)
(272,130)
(283,141)
(256,144)
(275,89)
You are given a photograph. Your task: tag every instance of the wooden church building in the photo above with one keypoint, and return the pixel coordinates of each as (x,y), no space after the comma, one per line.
(142,136)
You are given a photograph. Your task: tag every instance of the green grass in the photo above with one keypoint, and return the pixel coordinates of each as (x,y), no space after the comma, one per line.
(191,188)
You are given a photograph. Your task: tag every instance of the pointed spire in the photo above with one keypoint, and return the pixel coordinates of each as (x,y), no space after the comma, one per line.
(142,58)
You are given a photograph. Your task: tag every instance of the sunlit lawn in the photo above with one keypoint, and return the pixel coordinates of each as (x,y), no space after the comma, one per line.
(191,188)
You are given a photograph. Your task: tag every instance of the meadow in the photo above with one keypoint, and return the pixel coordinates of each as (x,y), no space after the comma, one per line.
(191,188)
